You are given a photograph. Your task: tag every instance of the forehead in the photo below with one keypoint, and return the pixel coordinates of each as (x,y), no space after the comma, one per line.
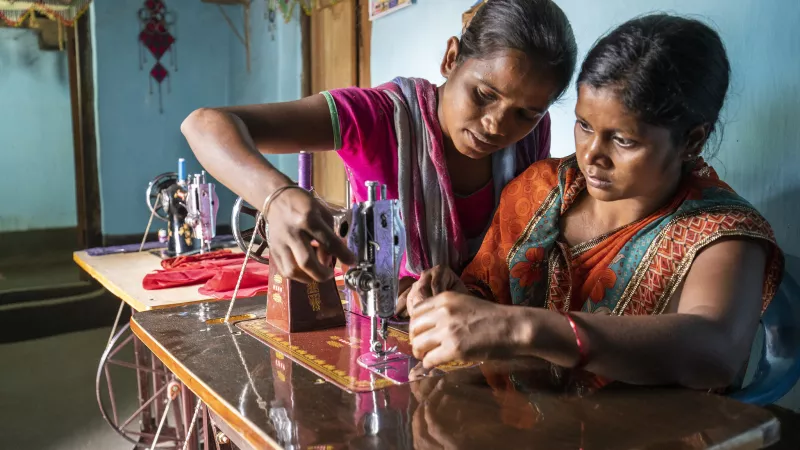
(515,75)
(604,109)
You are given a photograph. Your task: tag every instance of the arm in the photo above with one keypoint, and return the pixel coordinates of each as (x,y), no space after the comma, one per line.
(228,141)
(701,344)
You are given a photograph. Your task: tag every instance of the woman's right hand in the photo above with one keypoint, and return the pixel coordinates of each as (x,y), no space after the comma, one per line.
(433,282)
(301,238)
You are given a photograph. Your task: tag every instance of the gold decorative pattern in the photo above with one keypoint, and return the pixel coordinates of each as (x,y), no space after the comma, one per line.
(259,329)
(526,234)
(312,289)
(687,233)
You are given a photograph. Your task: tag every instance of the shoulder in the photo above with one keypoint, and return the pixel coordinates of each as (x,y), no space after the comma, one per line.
(535,182)
(356,98)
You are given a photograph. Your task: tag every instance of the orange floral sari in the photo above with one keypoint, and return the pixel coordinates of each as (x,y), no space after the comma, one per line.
(633,270)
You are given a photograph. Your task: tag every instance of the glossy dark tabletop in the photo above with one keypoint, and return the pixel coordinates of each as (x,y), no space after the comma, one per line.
(272,401)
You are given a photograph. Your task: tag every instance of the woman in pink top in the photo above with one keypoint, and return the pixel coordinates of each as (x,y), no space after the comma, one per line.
(446,152)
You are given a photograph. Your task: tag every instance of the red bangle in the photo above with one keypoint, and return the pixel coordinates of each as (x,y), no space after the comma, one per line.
(583,355)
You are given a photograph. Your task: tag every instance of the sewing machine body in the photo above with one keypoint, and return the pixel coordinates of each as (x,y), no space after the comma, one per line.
(189,206)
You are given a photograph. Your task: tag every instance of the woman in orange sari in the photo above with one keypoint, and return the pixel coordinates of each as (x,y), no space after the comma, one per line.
(638,263)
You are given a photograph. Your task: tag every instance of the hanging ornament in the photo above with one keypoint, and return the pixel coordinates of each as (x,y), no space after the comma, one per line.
(154,35)
(270,13)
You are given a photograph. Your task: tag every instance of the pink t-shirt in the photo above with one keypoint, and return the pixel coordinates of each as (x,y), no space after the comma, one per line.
(365,139)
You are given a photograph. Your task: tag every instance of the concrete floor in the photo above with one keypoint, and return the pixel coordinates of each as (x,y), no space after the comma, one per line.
(47,395)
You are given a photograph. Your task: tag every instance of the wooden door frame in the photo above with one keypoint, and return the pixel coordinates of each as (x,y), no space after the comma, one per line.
(363,43)
(81,84)
(363,38)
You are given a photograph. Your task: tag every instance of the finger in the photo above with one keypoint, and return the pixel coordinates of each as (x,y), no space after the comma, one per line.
(438,356)
(288,265)
(437,280)
(424,343)
(422,306)
(420,323)
(306,259)
(400,308)
(420,290)
(324,234)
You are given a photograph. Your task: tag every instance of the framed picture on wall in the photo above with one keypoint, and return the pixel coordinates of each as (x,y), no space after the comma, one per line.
(379,8)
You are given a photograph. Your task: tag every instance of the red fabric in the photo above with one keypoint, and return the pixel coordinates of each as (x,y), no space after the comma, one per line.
(219,270)
(216,255)
(254,281)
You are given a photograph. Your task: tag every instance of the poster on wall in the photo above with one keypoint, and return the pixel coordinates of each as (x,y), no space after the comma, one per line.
(380,8)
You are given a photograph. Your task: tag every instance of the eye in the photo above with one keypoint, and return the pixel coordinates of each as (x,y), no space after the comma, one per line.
(483,96)
(624,143)
(584,126)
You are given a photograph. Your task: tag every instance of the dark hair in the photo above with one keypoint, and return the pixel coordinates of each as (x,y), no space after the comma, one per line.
(670,71)
(538,28)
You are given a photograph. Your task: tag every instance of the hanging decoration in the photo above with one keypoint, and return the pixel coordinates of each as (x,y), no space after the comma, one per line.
(286,7)
(14,13)
(156,21)
(270,14)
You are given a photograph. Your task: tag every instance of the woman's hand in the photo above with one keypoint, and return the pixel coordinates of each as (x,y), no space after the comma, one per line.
(301,238)
(454,326)
(432,282)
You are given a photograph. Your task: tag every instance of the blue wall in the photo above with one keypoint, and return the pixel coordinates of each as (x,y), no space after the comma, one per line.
(276,67)
(135,141)
(759,154)
(35,136)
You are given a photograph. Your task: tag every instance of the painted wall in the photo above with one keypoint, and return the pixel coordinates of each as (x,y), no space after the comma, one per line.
(276,67)
(35,136)
(758,154)
(135,141)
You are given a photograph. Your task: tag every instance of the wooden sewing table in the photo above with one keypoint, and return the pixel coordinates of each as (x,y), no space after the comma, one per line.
(265,400)
(259,398)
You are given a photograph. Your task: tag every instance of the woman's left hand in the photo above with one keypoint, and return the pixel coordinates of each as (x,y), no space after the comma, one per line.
(457,327)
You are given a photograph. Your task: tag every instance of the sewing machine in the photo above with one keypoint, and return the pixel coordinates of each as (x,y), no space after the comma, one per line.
(189,206)
(377,238)
(375,234)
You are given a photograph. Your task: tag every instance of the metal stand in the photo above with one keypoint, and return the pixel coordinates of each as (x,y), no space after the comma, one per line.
(152,382)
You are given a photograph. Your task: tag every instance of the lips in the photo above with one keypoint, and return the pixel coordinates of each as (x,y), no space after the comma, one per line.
(597,181)
(481,143)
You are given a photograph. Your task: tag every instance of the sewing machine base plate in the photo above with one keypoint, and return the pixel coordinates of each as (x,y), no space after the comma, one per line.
(397,367)
(335,354)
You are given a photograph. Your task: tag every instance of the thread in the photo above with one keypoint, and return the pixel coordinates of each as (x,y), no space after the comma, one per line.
(305,164)
(150,221)
(191,426)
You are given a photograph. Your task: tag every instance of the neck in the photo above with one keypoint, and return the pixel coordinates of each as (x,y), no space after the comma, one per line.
(619,213)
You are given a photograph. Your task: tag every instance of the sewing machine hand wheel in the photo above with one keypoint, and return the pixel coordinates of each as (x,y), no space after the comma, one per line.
(154,189)
(243,237)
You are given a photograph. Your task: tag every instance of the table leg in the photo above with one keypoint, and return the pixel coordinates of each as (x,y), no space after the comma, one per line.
(188,404)
(140,353)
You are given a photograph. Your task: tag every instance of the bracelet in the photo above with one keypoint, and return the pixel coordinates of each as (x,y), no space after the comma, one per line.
(583,355)
(272,196)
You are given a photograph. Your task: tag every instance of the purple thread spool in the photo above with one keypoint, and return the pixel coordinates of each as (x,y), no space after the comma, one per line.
(305,165)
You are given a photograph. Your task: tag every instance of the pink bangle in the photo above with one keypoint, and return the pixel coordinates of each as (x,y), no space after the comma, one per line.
(583,355)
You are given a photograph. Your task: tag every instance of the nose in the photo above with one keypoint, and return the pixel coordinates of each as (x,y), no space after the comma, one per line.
(596,151)
(495,120)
